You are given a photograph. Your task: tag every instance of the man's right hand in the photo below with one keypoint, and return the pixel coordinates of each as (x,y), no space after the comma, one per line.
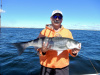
(44,47)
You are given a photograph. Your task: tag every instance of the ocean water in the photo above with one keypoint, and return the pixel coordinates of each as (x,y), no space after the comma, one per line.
(87,61)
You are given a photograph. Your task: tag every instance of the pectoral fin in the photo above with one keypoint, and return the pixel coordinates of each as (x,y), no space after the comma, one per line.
(59,52)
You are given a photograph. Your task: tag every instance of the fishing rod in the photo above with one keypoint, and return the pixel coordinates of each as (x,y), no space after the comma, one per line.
(90,62)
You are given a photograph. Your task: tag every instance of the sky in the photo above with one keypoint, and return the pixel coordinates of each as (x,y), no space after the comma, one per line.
(77,14)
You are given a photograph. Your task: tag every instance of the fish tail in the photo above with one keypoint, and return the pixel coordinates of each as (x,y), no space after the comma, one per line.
(21,47)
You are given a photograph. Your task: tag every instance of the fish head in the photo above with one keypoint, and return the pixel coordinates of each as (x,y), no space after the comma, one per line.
(72,45)
(79,45)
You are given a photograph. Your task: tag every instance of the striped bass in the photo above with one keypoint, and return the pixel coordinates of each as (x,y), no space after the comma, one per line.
(55,43)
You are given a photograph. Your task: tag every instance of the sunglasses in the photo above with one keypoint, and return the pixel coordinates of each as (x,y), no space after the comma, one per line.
(55,17)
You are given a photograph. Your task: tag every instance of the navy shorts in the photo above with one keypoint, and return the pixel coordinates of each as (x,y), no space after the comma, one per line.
(57,71)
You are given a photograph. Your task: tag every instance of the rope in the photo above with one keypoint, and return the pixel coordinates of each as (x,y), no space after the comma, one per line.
(91,64)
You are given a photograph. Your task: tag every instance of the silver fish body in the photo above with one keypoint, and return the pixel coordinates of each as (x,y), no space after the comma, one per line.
(55,43)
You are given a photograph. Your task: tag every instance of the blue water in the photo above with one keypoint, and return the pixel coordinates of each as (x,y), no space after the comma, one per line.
(28,62)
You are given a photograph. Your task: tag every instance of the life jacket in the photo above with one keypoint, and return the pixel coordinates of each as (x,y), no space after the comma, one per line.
(51,59)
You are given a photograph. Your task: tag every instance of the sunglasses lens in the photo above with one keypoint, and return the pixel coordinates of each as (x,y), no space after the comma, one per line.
(59,17)
(55,17)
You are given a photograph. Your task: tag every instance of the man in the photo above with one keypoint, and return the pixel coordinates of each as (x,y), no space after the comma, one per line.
(52,62)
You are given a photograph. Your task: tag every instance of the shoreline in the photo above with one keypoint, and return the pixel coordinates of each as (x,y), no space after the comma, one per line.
(42,28)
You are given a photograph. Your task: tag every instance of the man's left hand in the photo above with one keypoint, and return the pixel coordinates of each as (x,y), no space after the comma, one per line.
(75,51)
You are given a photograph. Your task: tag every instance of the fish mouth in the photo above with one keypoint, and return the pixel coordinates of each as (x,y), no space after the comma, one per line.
(79,46)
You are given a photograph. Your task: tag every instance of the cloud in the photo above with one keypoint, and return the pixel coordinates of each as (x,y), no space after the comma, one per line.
(84,26)
(95,27)
(2,11)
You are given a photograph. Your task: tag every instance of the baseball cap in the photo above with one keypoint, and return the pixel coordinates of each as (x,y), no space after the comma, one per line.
(56,11)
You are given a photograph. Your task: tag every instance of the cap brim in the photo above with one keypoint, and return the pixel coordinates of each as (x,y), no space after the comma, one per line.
(57,13)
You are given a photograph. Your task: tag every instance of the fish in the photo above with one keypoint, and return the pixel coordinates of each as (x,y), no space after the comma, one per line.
(54,43)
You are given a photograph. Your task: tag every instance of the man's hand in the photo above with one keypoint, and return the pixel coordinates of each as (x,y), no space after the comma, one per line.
(75,51)
(45,47)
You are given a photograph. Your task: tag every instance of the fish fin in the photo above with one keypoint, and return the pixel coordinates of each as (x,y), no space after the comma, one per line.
(21,47)
(36,47)
(38,53)
(58,52)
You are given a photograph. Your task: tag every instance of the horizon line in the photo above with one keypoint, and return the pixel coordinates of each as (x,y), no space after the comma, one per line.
(42,28)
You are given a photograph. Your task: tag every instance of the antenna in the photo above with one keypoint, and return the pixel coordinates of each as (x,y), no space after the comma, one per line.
(0,16)
(1,4)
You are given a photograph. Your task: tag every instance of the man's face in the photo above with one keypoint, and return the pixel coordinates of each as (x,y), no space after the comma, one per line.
(56,19)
